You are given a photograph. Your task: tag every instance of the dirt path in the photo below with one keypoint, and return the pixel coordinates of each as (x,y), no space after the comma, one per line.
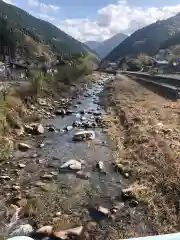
(146,129)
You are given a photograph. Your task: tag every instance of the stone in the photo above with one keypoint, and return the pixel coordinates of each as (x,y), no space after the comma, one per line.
(42,102)
(58,214)
(61,112)
(21,165)
(84,135)
(16,187)
(41,145)
(103,210)
(22,230)
(68,112)
(22,202)
(118,206)
(51,129)
(45,229)
(72,231)
(11,210)
(5,177)
(100,166)
(83,175)
(68,128)
(20,238)
(47,176)
(72,164)
(38,129)
(24,146)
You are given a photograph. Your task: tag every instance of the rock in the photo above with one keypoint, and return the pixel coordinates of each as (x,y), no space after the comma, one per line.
(68,112)
(83,175)
(24,146)
(79,102)
(39,184)
(100,166)
(51,129)
(76,106)
(97,113)
(68,128)
(35,155)
(21,165)
(58,214)
(23,230)
(82,111)
(16,187)
(133,203)
(117,207)
(42,102)
(64,234)
(5,177)
(61,112)
(20,238)
(47,176)
(38,129)
(41,145)
(72,164)
(83,118)
(45,229)
(84,135)
(77,124)
(103,210)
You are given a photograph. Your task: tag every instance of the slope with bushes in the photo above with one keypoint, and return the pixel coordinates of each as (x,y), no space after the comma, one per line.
(29,31)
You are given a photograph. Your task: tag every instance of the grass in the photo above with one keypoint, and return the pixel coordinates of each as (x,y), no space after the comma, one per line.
(147,142)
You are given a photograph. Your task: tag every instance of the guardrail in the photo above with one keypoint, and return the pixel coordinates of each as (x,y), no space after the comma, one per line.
(166,87)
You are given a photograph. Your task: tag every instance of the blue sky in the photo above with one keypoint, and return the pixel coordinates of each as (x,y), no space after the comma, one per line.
(99,19)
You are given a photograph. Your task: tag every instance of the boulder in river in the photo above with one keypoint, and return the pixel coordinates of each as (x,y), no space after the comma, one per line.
(103,210)
(38,128)
(61,112)
(100,166)
(84,135)
(20,238)
(72,165)
(24,146)
(68,128)
(83,175)
(65,233)
(22,230)
(45,230)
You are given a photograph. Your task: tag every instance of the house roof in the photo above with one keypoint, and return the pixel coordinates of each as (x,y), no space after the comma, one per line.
(19,65)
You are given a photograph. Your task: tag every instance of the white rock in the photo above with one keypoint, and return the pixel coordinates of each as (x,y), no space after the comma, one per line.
(21,165)
(24,146)
(72,164)
(103,210)
(84,135)
(69,128)
(23,230)
(20,238)
(100,165)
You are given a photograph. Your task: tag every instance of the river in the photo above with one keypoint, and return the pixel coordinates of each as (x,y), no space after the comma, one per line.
(74,197)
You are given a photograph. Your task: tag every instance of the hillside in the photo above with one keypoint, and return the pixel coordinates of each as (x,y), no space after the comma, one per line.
(104,48)
(148,39)
(35,36)
(172,41)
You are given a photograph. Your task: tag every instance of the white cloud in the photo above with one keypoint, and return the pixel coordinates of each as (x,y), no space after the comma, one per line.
(42,7)
(115,18)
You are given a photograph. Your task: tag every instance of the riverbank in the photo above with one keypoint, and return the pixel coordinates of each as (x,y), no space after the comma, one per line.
(146,129)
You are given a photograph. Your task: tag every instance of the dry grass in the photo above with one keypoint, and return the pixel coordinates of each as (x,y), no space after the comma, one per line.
(147,138)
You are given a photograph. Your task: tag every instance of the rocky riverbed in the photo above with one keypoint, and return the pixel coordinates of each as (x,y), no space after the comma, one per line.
(56,186)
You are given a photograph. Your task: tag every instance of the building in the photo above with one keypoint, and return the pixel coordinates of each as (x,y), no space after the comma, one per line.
(17,71)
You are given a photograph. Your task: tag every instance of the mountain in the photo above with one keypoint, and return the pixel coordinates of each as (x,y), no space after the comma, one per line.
(108,45)
(93,45)
(34,36)
(147,40)
(104,48)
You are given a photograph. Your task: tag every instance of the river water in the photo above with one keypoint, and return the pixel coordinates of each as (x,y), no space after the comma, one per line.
(65,192)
